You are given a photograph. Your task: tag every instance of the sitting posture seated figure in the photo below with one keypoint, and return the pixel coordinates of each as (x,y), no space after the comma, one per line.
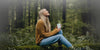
(44,35)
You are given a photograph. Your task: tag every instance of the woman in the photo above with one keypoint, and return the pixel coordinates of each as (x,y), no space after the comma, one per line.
(44,35)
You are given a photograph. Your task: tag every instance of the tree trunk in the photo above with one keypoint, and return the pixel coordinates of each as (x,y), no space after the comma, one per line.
(29,12)
(19,14)
(64,11)
(36,10)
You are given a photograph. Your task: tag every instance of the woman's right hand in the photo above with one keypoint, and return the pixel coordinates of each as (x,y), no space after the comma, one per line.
(59,30)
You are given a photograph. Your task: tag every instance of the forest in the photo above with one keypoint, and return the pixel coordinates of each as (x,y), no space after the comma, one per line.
(72,14)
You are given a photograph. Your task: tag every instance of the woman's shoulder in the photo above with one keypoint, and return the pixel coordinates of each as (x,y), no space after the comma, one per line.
(40,21)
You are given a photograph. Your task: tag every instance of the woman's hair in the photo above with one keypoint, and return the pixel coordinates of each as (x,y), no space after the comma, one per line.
(45,20)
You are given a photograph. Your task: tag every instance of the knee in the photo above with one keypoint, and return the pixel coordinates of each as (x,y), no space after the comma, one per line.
(60,32)
(59,35)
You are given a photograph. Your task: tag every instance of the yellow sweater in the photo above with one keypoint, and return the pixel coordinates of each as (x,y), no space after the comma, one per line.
(41,31)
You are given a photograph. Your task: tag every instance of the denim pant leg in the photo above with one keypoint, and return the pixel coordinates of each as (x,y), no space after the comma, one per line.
(60,32)
(55,38)
(52,38)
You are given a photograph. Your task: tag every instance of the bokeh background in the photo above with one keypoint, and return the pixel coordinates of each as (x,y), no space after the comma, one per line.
(79,18)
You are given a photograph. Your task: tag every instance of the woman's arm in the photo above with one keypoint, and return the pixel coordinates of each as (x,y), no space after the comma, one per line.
(42,31)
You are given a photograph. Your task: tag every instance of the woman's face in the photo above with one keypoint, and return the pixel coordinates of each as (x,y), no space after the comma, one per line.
(46,13)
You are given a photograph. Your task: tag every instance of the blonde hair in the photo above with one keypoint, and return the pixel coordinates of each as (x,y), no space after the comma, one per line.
(45,20)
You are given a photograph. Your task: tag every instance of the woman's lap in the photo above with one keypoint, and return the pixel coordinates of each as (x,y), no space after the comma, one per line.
(49,40)
(52,39)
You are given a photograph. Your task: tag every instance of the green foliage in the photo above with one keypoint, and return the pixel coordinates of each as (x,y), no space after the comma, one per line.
(22,36)
(74,23)
(4,41)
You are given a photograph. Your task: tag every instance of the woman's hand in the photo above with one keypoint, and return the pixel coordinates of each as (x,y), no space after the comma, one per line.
(59,29)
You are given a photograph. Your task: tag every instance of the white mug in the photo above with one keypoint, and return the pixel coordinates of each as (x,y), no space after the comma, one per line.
(58,25)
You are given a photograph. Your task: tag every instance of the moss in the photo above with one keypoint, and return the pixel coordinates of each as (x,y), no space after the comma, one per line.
(95,46)
(55,47)
(35,47)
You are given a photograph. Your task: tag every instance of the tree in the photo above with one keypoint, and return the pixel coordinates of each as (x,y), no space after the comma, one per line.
(19,14)
(36,10)
(64,11)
